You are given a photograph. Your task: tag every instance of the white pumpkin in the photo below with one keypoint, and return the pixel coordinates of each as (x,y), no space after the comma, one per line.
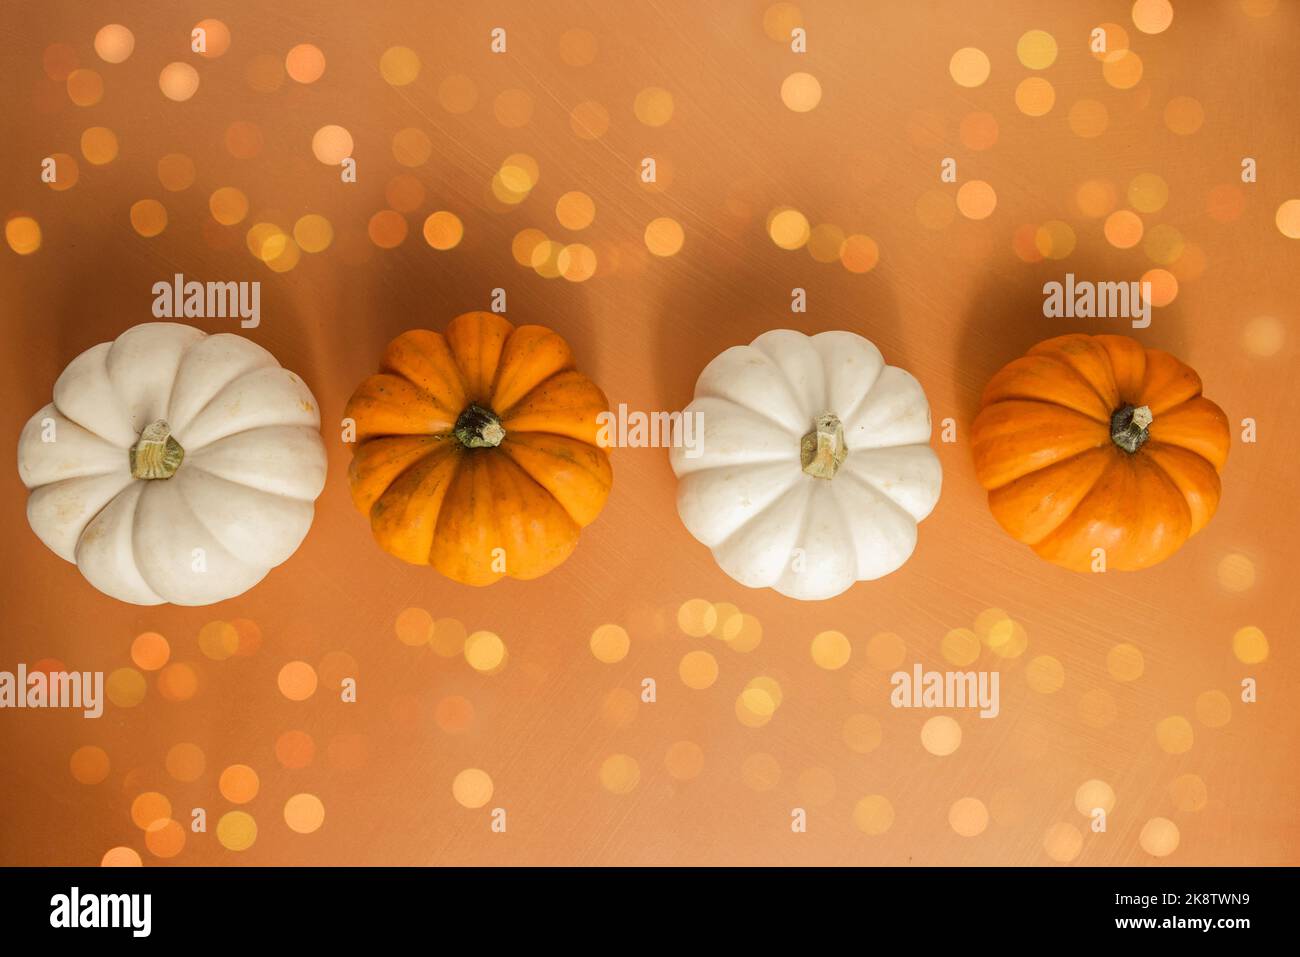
(174,466)
(814,465)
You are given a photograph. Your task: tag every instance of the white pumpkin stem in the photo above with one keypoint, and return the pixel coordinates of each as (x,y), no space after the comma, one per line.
(1129,427)
(156,455)
(822,450)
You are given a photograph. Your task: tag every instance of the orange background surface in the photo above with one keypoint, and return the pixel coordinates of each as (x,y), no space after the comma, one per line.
(951,300)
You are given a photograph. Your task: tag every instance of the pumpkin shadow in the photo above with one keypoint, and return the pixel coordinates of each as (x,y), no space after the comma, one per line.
(730,292)
(1004,318)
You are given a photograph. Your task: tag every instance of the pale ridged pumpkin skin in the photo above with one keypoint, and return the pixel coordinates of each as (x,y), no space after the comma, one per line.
(472,511)
(241,500)
(749,495)
(1058,482)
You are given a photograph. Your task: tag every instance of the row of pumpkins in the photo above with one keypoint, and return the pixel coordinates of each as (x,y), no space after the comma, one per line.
(175,466)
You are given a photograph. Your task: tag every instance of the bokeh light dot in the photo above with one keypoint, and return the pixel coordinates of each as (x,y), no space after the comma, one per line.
(178,81)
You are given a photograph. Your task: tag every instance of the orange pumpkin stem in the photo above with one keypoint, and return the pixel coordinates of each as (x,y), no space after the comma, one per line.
(156,455)
(479,428)
(1130,427)
(822,451)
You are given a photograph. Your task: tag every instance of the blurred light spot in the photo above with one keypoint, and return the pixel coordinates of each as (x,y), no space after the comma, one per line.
(825,242)
(331,144)
(449,637)
(216,37)
(443,230)
(1152,16)
(1024,242)
(524,243)
(960,647)
(176,172)
(653,106)
(1174,734)
(85,87)
(780,19)
(1250,645)
(237,830)
(313,233)
(968,816)
(698,670)
(697,617)
(1045,674)
(1148,192)
(1123,229)
(304,813)
(742,633)
(859,253)
(1263,338)
(873,815)
(387,229)
(178,682)
(664,236)
(1124,662)
(89,764)
(121,857)
(229,206)
(1035,96)
(576,262)
(148,217)
(66,172)
(1088,118)
(148,807)
(976,199)
(801,92)
(969,67)
(1036,49)
(297,681)
(941,735)
(610,643)
(1163,243)
(575,210)
(99,145)
(1055,239)
(1159,836)
(1122,69)
(178,81)
(1236,571)
(164,838)
(1062,842)
(1288,219)
(788,228)
(238,784)
(620,774)
(1094,794)
(305,63)
(150,651)
(125,687)
(831,650)
(399,66)
(485,651)
(1095,198)
(1164,286)
(1213,709)
(1184,115)
(23,234)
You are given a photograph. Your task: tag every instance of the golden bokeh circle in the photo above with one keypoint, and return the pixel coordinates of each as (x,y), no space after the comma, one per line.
(1159,837)
(1036,49)
(304,813)
(620,774)
(698,670)
(399,66)
(114,43)
(941,735)
(969,67)
(1174,734)
(89,764)
(443,230)
(801,92)
(831,650)
(873,814)
(237,830)
(178,81)
(968,817)
(1250,645)
(664,237)
(305,63)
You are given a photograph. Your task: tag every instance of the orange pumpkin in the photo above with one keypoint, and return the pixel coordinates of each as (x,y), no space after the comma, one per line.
(1093,442)
(477,449)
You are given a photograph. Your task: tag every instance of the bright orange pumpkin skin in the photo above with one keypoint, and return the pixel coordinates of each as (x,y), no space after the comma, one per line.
(478,514)
(1060,483)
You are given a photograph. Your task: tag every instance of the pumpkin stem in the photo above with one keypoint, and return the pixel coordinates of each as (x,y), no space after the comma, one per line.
(1129,427)
(479,428)
(157,455)
(822,450)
